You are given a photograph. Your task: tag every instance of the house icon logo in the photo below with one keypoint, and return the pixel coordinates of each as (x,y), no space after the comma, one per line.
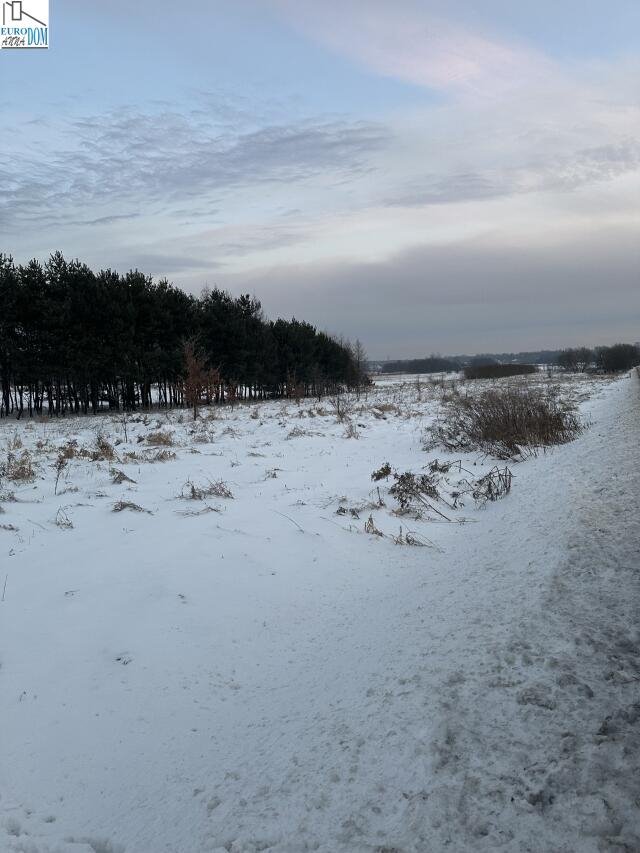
(25,24)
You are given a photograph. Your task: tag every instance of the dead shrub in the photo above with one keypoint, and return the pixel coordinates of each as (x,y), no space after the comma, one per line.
(506,423)
(413,539)
(62,520)
(351,431)
(383,473)
(120,506)
(119,477)
(160,438)
(341,407)
(410,489)
(370,527)
(493,486)
(193,492)
(15,443)
(353,511)
(18,467)
(160,456)
(59,466)
(69,450)
(296,432)
(103,451)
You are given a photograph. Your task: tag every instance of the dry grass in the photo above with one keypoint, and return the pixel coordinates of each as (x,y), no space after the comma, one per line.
(415,540)
(160,438)
(194,513)
(370,527)
(351,430)
(506,423)
(104,451)
(119,477)
(14,443)
(120,506)
(69,450)
(341,407)
(493,486)
(296,432)
(159,456)
(18,467)
(62,520)
(193,492)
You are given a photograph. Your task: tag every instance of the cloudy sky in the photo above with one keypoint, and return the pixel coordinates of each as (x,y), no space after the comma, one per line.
(427,175)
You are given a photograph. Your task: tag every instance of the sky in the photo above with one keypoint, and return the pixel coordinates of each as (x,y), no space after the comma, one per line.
(439,176)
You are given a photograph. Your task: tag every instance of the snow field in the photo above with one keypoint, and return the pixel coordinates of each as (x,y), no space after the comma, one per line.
(258,673)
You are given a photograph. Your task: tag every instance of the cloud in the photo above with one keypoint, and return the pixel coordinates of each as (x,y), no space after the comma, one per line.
(158,264)
(557,173)
(407,40)
(106,220)
(477,295)
(172,158)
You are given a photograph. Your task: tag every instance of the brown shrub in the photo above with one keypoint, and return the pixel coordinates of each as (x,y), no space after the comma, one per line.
(160,438)
(18,467)
(507,423)
(104,451)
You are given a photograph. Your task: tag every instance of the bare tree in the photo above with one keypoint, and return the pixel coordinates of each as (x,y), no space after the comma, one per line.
(196,377)
(360,360)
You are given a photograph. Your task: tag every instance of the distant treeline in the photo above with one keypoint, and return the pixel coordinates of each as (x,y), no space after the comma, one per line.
(543,356)
(608,359)
(72,340)
(495,371)
(433,364)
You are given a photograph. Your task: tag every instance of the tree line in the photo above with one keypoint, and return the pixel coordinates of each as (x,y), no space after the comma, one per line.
(608,359)
(579,359)
(76,341)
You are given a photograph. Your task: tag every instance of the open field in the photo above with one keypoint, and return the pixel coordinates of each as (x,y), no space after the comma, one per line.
(223,635)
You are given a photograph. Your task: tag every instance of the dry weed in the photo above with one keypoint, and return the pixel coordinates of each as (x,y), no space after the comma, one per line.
(18,467)
(120,506)
(160,438)
(191,491)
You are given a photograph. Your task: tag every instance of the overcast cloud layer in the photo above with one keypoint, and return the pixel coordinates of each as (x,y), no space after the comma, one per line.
(426,176)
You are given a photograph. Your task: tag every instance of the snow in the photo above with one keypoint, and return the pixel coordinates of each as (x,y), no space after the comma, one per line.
(269,677)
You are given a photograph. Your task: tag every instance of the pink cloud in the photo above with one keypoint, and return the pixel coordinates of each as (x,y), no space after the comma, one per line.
(404,41)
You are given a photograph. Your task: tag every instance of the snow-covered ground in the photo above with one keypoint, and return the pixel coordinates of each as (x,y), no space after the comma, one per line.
(258,673)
